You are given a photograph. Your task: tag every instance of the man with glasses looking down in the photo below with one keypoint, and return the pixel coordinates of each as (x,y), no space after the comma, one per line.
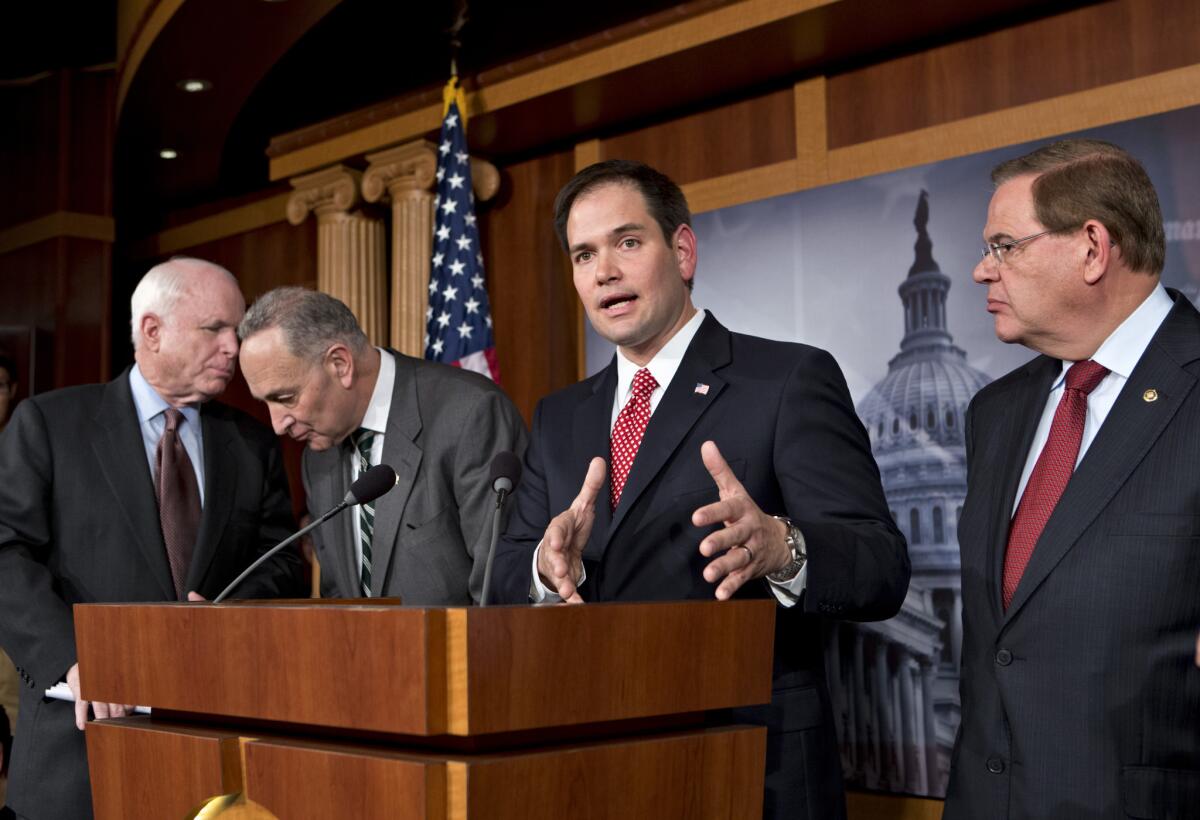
(1080,534)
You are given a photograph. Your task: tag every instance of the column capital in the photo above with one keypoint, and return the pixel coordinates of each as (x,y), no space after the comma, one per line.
(413,167)
(329,191)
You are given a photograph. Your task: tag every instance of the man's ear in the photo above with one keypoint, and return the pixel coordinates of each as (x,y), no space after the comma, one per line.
(1099,249)
(339,361)
(683,243)
(151,329)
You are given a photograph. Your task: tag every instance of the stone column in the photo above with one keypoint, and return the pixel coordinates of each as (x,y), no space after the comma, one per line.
(956,632)
(883,701)
(405,175)
(350,245)
(909,719)
(933,775)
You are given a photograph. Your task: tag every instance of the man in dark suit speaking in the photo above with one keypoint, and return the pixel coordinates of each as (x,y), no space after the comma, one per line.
(356,406)
(1080,533)
(683,445)
(136,490)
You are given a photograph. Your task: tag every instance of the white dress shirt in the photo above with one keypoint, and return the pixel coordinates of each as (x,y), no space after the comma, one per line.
(375,420)
(1120,353)
(662,367)
(152,422)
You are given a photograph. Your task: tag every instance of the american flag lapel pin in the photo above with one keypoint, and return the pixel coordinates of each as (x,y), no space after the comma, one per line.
(701,389)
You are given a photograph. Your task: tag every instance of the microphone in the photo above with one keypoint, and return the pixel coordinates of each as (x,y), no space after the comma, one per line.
(503,477)
(369,486)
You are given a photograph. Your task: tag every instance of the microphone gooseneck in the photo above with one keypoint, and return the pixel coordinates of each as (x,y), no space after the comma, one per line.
(503,476)
(369,486)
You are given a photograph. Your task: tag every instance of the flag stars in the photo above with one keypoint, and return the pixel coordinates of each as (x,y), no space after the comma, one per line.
(464,331)
(438,346)
(438,259)
(452,121)
(443,233)
(443,319)
(461,156)
(450,293)
(488,319)
(471,305)
(441,173)
(433,286)
(444,148)
(463,242)
(449,206)
(456,267)
(476,282)
(428,316)
(456,181)
(469,219)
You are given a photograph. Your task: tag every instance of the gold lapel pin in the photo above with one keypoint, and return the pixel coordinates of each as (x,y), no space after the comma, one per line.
(1150,395)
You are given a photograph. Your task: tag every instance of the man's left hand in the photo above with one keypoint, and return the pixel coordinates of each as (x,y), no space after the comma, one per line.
(752,543)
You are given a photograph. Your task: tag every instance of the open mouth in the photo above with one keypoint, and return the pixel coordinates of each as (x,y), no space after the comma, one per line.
(616,301)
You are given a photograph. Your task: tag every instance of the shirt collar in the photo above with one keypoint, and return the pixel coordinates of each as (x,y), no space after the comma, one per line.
(664,364)
(149,403)
(1123,348)
(376,417)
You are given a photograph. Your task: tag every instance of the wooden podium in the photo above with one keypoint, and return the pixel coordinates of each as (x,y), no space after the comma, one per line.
(346,709)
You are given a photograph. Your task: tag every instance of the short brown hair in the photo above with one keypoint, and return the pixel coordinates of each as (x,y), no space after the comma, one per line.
(1082,179)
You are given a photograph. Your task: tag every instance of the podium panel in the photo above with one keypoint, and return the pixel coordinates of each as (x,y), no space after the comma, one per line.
(318,709)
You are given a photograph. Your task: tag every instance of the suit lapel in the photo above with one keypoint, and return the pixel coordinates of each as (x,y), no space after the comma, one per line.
(400,452)
(591,428)
(1016,428)
(119,451)
(1130,430)
(220,488)
(677,413)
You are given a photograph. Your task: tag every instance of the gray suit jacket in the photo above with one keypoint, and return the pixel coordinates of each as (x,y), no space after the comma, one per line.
(432,530)
(79,524)
(1081,699)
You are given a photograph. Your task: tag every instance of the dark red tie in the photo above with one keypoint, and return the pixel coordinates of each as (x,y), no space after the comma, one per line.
(178,500)
(1051,472)
(627,432)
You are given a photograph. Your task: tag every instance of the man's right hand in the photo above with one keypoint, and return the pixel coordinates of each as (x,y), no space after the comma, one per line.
(102,710)
(560,556)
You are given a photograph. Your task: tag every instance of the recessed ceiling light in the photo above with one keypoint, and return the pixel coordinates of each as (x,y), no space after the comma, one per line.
(168,153)
(194,86)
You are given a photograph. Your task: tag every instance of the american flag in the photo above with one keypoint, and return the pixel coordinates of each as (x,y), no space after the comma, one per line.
(458,322)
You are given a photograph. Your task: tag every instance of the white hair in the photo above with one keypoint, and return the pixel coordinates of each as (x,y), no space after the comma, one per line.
(160,289)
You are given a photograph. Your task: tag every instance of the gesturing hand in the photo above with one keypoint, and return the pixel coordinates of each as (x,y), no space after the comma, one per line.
(752,543)
(560,558)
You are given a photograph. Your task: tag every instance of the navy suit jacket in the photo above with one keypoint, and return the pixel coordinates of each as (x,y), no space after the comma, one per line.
(1082,700)
(782,417)
(79,524)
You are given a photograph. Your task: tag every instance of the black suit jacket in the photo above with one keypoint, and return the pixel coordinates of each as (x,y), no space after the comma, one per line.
(79,524)
(432,530)
(782,417)
(1082,701)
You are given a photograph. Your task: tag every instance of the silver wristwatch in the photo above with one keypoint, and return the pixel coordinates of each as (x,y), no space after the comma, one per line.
(795,542)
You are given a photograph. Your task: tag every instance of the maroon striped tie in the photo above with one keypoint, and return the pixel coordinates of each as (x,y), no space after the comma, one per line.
(1051,472)
(178,500)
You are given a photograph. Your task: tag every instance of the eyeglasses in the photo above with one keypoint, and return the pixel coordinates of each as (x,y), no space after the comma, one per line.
(997,252)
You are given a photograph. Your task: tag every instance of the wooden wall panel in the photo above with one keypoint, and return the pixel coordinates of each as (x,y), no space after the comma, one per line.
(87,164)
(1081,49)
(534,306)
(28,150)
(83,330)
(723,140)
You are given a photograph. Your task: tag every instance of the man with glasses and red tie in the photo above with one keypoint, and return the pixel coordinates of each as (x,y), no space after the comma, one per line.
(712,464)
(1080,534)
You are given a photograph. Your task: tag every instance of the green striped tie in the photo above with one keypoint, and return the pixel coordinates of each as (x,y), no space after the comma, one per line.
(366,512)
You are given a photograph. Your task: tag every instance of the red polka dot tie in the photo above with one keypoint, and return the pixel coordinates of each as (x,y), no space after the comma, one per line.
(627,432)
(1051,472)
